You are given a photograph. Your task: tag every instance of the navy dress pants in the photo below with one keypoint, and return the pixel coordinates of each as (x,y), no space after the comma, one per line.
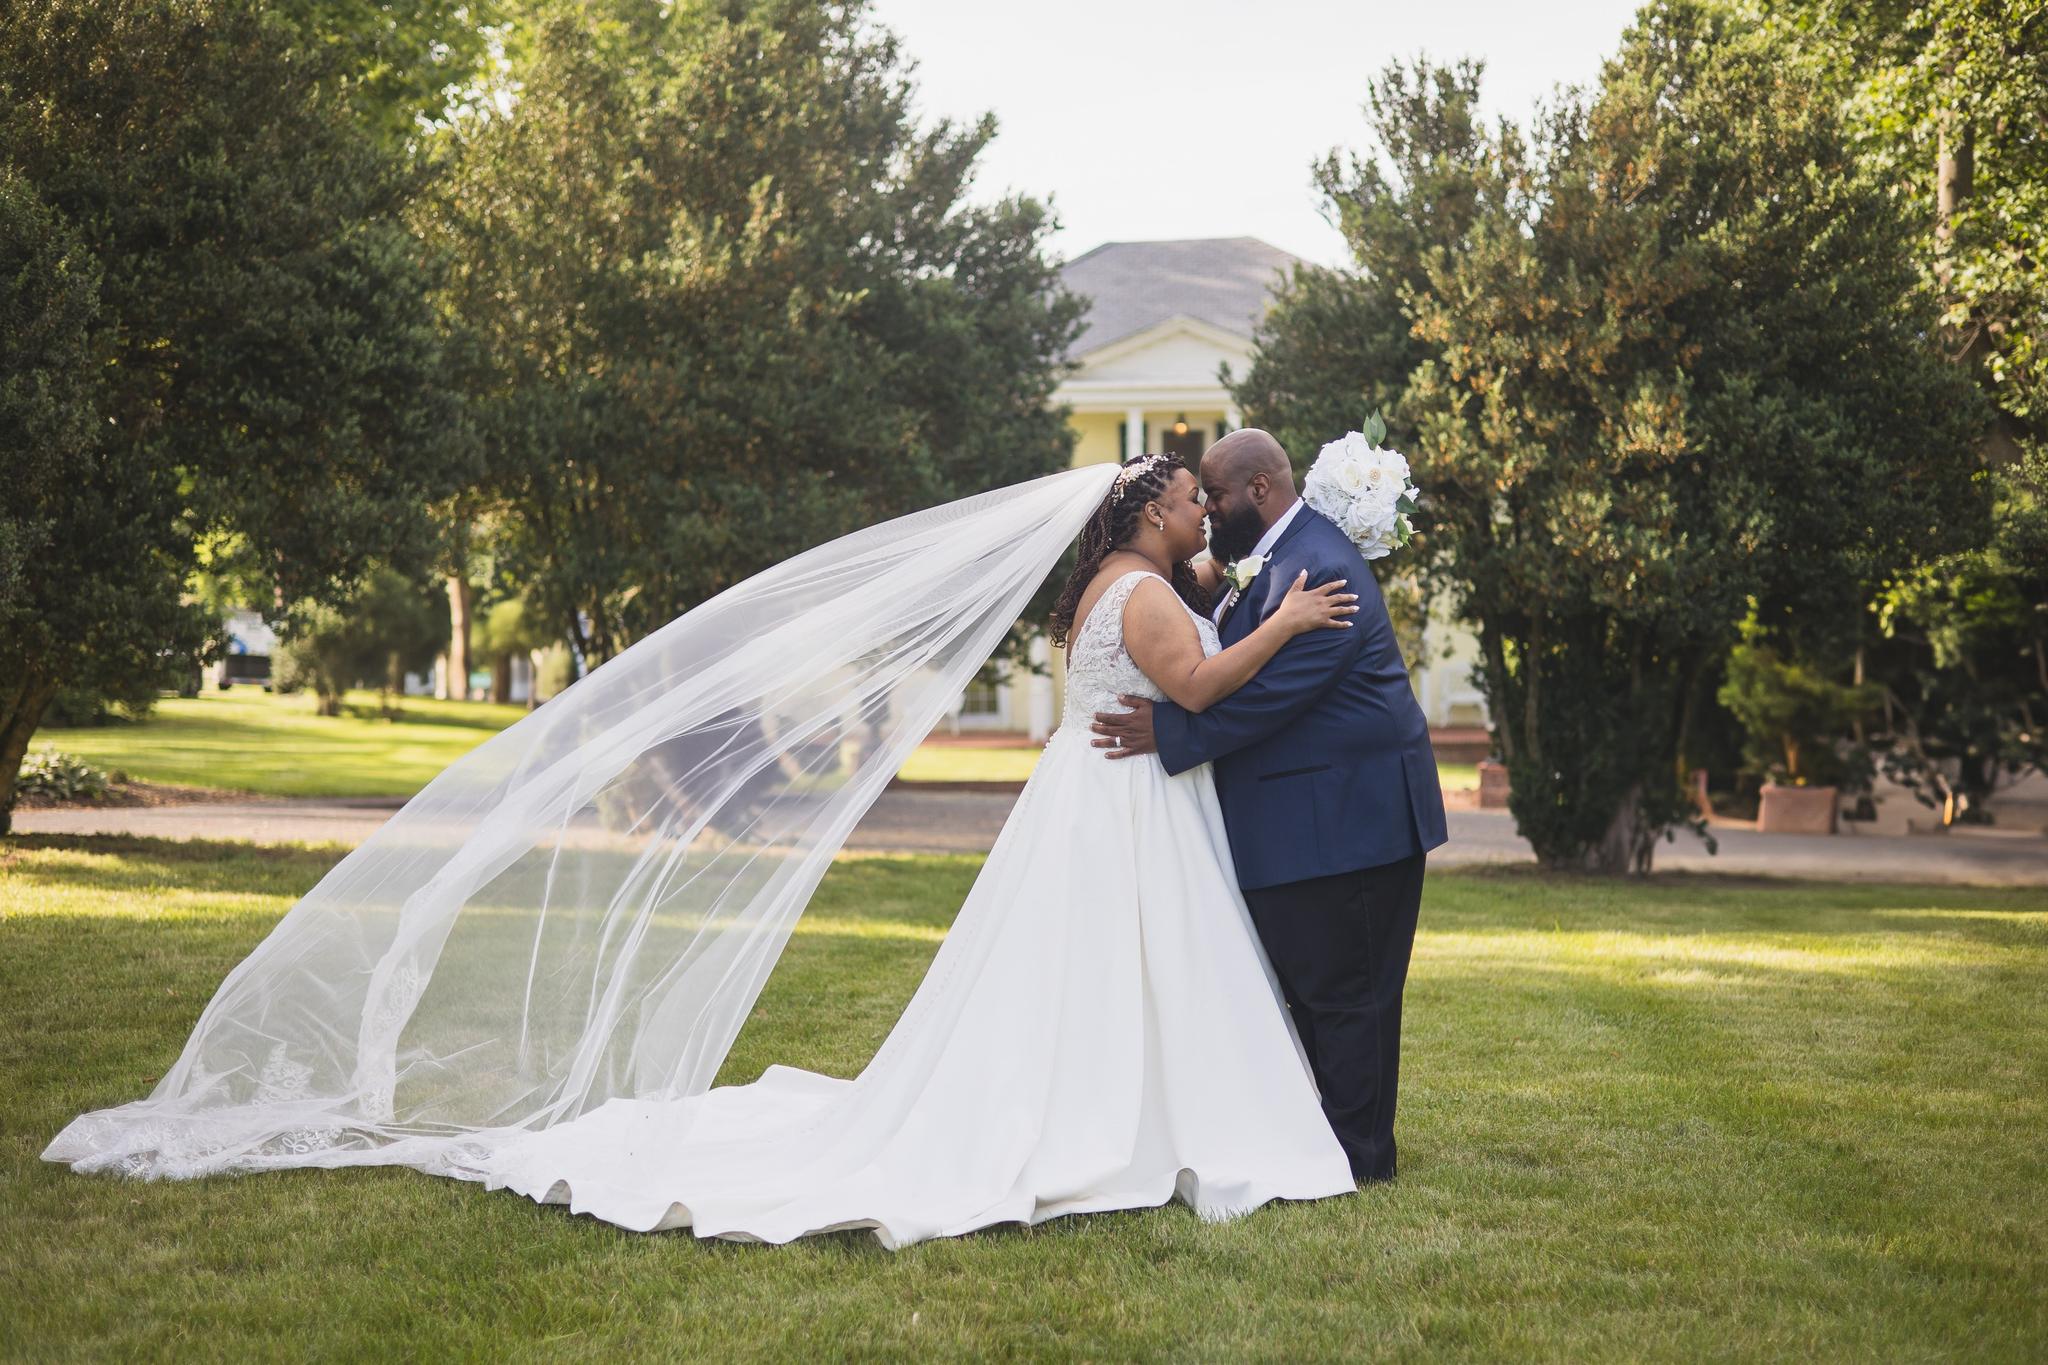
(1340,946)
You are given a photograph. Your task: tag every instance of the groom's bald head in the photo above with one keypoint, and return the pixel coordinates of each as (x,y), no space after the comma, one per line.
(1238,456)
(1248,483)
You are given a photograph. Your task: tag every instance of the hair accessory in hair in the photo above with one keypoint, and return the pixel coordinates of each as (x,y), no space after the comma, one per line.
(1143,465)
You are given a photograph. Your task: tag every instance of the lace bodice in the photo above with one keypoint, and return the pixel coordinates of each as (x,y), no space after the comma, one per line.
(1099,669)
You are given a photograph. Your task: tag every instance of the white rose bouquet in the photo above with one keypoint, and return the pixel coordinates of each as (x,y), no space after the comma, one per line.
(1364,488)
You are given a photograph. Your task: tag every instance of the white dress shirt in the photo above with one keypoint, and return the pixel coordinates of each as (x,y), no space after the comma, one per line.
(1265,546)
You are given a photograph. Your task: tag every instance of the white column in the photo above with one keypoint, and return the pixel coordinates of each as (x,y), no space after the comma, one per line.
(1232,418)
(1134,433)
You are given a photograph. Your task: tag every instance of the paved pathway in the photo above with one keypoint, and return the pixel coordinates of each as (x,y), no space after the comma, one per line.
(966,822)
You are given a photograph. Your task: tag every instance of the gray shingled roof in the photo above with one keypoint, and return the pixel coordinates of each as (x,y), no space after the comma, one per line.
(1223,281)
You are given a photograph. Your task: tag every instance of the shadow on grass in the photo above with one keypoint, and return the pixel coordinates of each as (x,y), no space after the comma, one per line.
(928,890)
(121,862)
(437,719)
(919,893)
(1693,903)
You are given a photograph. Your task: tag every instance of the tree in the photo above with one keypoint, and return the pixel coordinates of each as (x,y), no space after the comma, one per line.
(1795,716)
(266,361)
(387,627)
(1674,361)
(52,360)
(1945,97)
(402,64)
(509,630)
(408,68)
(1963,661)
(729,304)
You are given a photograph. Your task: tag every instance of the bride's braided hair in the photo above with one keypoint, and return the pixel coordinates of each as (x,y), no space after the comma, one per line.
(1114,522)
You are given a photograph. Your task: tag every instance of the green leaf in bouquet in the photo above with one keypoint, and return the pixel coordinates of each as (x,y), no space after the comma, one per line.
(1375,429)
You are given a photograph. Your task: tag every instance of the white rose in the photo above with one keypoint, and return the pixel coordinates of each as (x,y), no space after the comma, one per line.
(1364,520)
(1325,497)
(1349,444)
(1382,499)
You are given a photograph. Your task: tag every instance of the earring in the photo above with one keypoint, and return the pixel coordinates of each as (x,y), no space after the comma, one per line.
(1158,524)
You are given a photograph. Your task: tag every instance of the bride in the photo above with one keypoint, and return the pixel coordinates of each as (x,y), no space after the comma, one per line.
(530,975)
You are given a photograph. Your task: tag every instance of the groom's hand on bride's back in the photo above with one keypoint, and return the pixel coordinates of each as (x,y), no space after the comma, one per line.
(1125,734)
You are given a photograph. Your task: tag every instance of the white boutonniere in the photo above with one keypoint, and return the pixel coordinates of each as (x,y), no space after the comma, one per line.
(1239,573)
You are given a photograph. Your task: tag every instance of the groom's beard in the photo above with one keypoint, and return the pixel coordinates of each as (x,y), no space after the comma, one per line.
(1235,536)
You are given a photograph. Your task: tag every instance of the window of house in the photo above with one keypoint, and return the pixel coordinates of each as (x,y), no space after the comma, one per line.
(980,699)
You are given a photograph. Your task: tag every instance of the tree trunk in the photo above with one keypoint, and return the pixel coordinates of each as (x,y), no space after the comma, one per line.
(501,678)
(579,647)
(21,712)
(1532,672)
(1955,170)
(1496,665)
(1623,849)
(1968,343)
(458,637)
(1856,679)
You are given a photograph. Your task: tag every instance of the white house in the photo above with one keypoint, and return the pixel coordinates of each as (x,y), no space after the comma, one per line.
(1163,320)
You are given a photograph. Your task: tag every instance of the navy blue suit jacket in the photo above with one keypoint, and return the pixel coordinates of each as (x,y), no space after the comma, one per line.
(1323,761)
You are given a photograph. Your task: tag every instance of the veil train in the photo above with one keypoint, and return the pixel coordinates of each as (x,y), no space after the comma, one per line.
(586,906)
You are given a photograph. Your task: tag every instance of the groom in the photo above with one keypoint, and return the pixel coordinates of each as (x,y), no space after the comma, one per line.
(1328,787)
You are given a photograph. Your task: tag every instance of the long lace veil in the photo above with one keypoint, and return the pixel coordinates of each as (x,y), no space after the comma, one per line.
(587,905)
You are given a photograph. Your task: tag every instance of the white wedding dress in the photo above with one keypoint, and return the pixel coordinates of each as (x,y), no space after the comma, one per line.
(1099,1030)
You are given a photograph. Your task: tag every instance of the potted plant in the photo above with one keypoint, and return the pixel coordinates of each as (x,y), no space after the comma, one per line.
(1795,720)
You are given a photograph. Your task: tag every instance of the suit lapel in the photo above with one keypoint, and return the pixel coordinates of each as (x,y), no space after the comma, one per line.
(1230,609)
(1272,557)
(1301,519)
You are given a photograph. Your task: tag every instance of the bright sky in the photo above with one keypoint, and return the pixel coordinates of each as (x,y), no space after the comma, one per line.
(1199,118)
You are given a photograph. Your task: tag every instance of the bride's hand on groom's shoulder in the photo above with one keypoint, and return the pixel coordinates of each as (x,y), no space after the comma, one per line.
(1126,734)
(1324,607)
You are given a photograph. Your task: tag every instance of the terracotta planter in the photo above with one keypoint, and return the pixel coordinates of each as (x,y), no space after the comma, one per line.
(1797,810)
(1493,785)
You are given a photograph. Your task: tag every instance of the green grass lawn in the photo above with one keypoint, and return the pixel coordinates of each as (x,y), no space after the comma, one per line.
(954,763)
(1699,1118)
(249,740)
(253,741)
(1453,776)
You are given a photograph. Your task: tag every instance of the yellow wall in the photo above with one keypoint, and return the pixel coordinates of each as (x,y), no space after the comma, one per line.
(1096,434)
